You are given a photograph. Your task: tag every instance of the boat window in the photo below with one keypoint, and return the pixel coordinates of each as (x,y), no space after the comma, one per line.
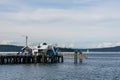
(50,52)
(38,46)
(44,43)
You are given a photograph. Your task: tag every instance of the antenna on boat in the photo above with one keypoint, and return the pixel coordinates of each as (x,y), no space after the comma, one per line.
(26,40)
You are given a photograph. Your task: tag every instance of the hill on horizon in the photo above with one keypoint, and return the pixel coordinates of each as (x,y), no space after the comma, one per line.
(106,49)
(14,48)
(10,48)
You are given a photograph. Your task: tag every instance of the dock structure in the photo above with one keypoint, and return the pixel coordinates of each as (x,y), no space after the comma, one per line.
(24,59)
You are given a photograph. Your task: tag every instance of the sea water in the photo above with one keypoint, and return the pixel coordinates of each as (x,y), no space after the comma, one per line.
(97,66)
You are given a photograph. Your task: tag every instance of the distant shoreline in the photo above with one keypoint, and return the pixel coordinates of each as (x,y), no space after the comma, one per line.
(14,48)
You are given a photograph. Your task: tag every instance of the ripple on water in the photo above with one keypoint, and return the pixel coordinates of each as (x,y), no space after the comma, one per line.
(91,69)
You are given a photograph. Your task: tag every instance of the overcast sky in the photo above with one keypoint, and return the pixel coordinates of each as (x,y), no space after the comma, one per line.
(70,23)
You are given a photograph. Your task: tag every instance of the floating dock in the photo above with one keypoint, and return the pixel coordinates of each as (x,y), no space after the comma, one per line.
(25,59)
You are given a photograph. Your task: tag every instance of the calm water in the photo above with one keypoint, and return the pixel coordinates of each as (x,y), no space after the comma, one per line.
(96,67)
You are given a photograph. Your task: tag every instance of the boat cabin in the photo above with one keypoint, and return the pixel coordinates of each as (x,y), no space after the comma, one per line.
(26,50)
(44,48)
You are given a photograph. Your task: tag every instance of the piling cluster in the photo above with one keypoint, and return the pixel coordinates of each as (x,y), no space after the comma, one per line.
(78,55)
(22,59)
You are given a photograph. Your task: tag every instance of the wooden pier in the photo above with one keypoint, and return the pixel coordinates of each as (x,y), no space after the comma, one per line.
(24,59)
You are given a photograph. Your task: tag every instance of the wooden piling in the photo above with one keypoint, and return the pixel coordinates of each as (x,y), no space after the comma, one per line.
(80,57)
(75,57)
(35,58)
(43,58)
(62,60)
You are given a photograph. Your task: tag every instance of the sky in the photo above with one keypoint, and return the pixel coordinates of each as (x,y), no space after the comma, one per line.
(67,23)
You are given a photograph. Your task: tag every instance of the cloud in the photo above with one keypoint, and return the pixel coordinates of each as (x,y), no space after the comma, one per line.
(45,15)
(67,45)
(66,20)
(108,44)
(5,42)
(26,13)
(62,45)
(4,2)
(61,23)
(71,45)
(84,1)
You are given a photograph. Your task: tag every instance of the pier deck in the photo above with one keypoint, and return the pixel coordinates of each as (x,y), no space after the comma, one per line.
(23,59)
